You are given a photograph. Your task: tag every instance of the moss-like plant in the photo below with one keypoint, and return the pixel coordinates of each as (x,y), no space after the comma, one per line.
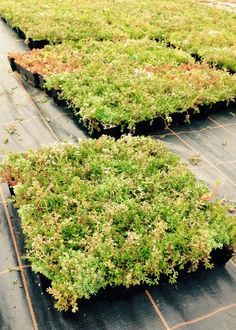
(71,56)
(109,213)
(128,82)
(194,27)
(50,60)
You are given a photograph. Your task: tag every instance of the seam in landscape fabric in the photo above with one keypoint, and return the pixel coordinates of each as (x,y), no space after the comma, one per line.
(195,130)
(221,126)
(203,317)
(195,150)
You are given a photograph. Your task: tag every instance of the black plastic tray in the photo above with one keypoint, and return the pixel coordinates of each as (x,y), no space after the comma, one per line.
(30,42)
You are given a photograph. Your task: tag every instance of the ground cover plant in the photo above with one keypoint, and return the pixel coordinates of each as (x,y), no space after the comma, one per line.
(128,82)
(109,213)
(49,60)
(78,19)
(208,32)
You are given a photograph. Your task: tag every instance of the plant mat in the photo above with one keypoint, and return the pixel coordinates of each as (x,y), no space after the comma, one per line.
(133,89)
(205,295)
(121,213)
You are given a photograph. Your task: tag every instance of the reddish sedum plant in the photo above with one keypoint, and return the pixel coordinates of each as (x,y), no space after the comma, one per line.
(49,60)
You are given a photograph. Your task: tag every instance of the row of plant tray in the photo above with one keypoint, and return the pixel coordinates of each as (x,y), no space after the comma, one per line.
(32,44)
(144,127)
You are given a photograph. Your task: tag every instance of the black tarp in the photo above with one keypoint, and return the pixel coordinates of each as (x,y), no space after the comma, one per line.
(205,299)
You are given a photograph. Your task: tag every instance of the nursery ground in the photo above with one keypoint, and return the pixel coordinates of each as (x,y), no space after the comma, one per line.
(203,300)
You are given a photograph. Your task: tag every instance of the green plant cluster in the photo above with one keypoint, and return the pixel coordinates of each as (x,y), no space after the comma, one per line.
(208,32)
(134,81)
(128,82)
(109,213)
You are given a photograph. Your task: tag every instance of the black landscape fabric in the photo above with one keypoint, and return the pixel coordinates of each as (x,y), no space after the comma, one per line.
(205,299)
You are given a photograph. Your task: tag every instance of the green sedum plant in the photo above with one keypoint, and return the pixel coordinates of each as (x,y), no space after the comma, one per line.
(207,32)
(134,81)
(109,213)
(125,83)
